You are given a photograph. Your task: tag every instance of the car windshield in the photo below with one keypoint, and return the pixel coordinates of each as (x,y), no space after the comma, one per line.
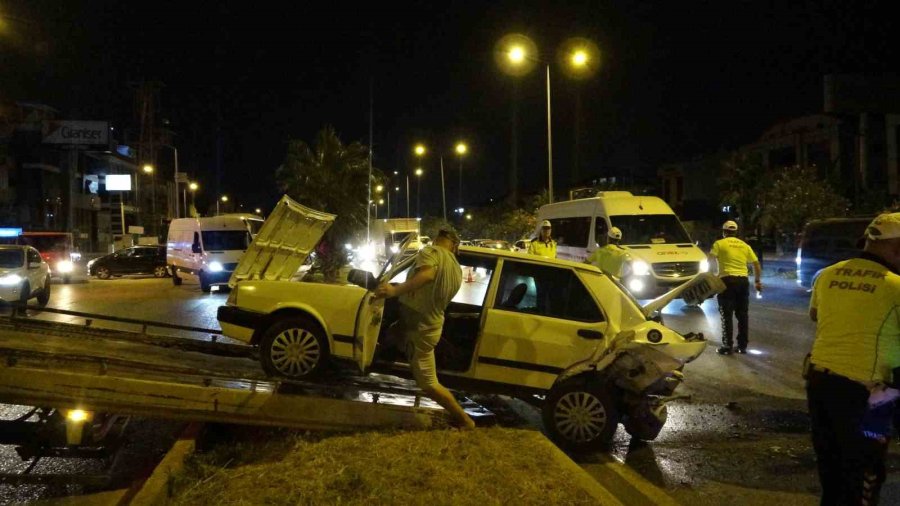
(11,258)
(650,229)
(225,240)
(399,237)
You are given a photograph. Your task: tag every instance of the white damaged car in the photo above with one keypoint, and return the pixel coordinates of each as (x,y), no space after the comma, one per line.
(559,334)
(23,275)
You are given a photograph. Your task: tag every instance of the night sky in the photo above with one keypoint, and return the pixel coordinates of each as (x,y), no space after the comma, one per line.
(678,79)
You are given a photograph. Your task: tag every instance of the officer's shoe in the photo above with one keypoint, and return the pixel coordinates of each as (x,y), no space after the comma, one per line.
(724,350)
(742,351)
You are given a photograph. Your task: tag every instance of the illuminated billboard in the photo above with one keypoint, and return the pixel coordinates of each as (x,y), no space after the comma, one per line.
(118,182)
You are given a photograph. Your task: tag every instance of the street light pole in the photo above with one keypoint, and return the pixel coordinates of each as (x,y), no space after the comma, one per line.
(407,196)
(443,190)
(549,142)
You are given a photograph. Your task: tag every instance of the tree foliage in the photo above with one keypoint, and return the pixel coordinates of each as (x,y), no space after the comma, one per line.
(498,222)
(742,185)
(333,177)
(796,196)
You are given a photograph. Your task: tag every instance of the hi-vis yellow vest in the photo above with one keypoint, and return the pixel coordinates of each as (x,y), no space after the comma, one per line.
(858,328)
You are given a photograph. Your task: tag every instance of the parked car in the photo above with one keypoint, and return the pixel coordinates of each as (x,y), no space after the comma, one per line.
(523,326)
(494,244)
(23,275)
(521,245)
(828,241)
(134,260)
(466,243)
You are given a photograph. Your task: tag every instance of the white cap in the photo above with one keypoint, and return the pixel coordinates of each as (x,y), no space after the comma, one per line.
(886,226)
(546,223)
(615,233)
(729,225)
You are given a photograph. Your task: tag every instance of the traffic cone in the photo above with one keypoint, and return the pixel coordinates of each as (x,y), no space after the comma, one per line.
(470,278)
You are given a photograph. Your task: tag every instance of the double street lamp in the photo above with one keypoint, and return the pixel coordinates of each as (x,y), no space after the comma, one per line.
(517,55)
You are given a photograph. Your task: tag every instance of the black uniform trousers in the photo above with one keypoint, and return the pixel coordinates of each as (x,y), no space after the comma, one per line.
(851,465)
(735,301)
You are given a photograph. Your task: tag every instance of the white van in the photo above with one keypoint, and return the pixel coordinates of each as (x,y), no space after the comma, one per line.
(253,221)
(206,248)
(663,255)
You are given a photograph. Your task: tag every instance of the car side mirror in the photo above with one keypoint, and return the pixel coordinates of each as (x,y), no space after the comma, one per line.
(196,248)
(362,278)
(34,265)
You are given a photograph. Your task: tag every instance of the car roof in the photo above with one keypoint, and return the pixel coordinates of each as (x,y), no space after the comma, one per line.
(531,258)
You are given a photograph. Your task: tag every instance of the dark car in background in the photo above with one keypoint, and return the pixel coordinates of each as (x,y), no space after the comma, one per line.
(134,260)
(828,241)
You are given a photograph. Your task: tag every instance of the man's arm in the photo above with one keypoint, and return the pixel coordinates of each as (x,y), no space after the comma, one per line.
(757,273)
(424,275)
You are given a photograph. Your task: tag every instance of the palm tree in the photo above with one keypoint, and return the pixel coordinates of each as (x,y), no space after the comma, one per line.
(332,177)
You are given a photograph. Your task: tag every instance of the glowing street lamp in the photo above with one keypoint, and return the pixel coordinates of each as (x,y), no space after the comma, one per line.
(223,198)
(148,169)
(517,55)
(461,150)
(419,172)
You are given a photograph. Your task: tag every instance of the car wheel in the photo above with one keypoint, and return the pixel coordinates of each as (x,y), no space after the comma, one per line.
(580,415)
(44,297)
(103,273)
(293,348)
(205,287)
(160,271)
(23,299)
(175,279)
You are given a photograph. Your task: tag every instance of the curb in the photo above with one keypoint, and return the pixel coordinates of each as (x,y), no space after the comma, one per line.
(155,490)
(580,477)
(626,485)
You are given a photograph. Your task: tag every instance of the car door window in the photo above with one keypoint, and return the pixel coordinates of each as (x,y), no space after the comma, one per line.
(544,290)
(33,256)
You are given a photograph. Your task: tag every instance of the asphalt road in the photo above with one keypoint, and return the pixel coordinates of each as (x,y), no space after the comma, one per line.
(743,437)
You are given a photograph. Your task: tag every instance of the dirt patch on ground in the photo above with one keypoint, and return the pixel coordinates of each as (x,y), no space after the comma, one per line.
(485,466)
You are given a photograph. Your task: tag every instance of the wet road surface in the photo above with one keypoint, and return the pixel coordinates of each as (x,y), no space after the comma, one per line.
(742,438)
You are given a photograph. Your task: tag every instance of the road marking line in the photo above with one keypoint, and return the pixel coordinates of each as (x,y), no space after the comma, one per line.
(627,485)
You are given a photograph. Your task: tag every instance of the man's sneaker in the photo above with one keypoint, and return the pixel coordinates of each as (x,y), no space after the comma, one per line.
(724,350)
(742,351)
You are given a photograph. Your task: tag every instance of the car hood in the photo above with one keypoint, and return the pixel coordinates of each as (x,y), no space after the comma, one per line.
(287,237)
(695,291)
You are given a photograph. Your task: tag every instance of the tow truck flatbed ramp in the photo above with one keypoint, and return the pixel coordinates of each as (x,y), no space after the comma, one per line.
(128,373)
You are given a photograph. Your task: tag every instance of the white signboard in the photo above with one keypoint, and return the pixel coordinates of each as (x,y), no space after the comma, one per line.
(134,229)
(118,182)
(76,132)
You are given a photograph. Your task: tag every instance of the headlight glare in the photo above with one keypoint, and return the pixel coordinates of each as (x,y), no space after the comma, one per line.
(640,268)
(10,280)
(704,265)
(215,267)
(64,266)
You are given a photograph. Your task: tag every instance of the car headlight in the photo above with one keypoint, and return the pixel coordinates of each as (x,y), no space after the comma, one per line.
(215,267)
(640,268)
(64,266)
(10,280)
(704,265)
(635,285)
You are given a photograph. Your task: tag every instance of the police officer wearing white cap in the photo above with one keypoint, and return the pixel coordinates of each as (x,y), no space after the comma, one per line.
(544,245)
(853,370)
(732,256)
(611,258)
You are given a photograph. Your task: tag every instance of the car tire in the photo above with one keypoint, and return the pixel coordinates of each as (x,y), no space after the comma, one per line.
(103,273)
(580,414)
(205,286)
(160,271)
(44,297)
(174,272)
(294,347)
(23,299)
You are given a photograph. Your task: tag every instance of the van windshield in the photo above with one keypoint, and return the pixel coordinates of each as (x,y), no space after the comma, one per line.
(225,240)
(650,229)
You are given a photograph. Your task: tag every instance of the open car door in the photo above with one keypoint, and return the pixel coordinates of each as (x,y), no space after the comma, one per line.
(370,314)
(285,240)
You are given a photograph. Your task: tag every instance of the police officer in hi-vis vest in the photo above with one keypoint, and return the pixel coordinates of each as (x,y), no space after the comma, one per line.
(853,370)
(544,246)
(732,256)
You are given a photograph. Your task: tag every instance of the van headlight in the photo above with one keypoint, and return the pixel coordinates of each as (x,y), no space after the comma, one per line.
(704,265)
(10,280)
(635,286)
(64,266)
(640,268)
(215,267)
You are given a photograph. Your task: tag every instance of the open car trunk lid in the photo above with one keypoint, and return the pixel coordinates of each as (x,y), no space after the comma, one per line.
(695,291)
(290,233)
